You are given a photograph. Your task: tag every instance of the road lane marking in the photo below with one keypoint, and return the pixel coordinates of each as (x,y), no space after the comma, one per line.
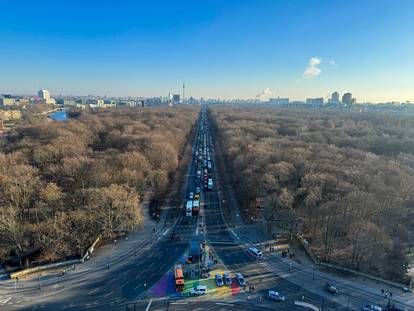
(93,291)
(5,300)
(109,294)
(149,305)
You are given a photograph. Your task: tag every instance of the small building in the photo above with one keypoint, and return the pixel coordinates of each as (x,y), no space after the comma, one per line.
(8,115)
(4,101)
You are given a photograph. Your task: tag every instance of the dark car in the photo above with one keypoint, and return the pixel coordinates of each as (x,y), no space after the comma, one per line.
(332,289)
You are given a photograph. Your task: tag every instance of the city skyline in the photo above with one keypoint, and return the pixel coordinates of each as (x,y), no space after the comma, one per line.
(220,50)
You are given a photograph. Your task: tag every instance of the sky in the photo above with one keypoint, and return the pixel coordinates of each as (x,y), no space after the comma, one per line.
(220,49)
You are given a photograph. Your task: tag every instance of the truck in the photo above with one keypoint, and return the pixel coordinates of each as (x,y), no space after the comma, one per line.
(210,184)
(196,207)
(189,208)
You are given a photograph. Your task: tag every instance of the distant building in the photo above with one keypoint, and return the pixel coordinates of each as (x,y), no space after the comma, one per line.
(315,102)
(279,101)
(5,101)
(129,103)
(335,97)
(66,102)
(7,115)
(176,98)
(94,103)
(44,96)
(347,99)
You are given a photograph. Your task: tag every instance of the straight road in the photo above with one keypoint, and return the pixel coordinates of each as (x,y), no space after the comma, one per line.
(122,280)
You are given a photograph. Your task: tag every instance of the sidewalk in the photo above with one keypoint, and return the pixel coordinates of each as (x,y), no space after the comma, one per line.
(254,234)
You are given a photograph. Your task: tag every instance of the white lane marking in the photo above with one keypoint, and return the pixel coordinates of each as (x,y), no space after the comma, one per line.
(109,294)
(149,305)
(166,231)
(5,300)
(93,291)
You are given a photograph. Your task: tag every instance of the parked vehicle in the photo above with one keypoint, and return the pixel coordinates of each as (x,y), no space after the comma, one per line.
(199,290)
(240,279)
(227,278)
(219,280)
(371,308)
(191,196)
(276,296)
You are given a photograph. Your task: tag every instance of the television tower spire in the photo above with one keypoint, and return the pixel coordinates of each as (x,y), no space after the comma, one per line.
(183,92)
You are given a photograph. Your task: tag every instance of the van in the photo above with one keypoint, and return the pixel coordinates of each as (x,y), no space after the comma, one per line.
(255,252)
(199,290)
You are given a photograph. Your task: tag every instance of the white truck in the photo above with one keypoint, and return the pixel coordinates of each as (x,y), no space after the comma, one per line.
(210,184)
(196,207)
(189,208)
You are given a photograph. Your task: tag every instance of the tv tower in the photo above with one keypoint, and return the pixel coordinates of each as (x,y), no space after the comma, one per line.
(183,93)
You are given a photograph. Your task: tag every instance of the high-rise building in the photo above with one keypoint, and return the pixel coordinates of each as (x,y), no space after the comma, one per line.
(279,101)
(347,99)
(335,97)
(176,98)
(315,102)
(44,95)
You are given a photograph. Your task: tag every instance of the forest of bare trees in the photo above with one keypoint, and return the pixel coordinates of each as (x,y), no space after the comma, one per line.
(64,183)
(348,178)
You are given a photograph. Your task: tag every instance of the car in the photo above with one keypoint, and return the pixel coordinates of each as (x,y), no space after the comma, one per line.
(240,279)
(274,295)
(371,308)
(332,289)
(197,197)
(199,290)
(255,252)
(219,280)
(227,278)
(198,190)
(191,196)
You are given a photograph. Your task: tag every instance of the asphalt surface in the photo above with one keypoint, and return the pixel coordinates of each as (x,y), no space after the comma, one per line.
(122,285)
(123,280)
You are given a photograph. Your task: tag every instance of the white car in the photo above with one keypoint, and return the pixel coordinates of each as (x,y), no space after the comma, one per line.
(274,295)
(199,290)
(371,308)
(191,196)
(227,278)
(219,280)
(255,252)
(240,279)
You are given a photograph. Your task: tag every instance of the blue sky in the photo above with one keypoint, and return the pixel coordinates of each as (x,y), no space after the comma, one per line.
(221,48)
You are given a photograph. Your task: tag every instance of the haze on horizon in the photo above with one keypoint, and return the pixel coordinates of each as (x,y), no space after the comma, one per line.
(226,49)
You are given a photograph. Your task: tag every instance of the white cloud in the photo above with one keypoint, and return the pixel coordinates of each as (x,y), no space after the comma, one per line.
(332,62)
(312,70)
(264,95)
(315,61)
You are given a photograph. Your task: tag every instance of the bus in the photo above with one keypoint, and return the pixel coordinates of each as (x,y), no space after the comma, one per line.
(178,278)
